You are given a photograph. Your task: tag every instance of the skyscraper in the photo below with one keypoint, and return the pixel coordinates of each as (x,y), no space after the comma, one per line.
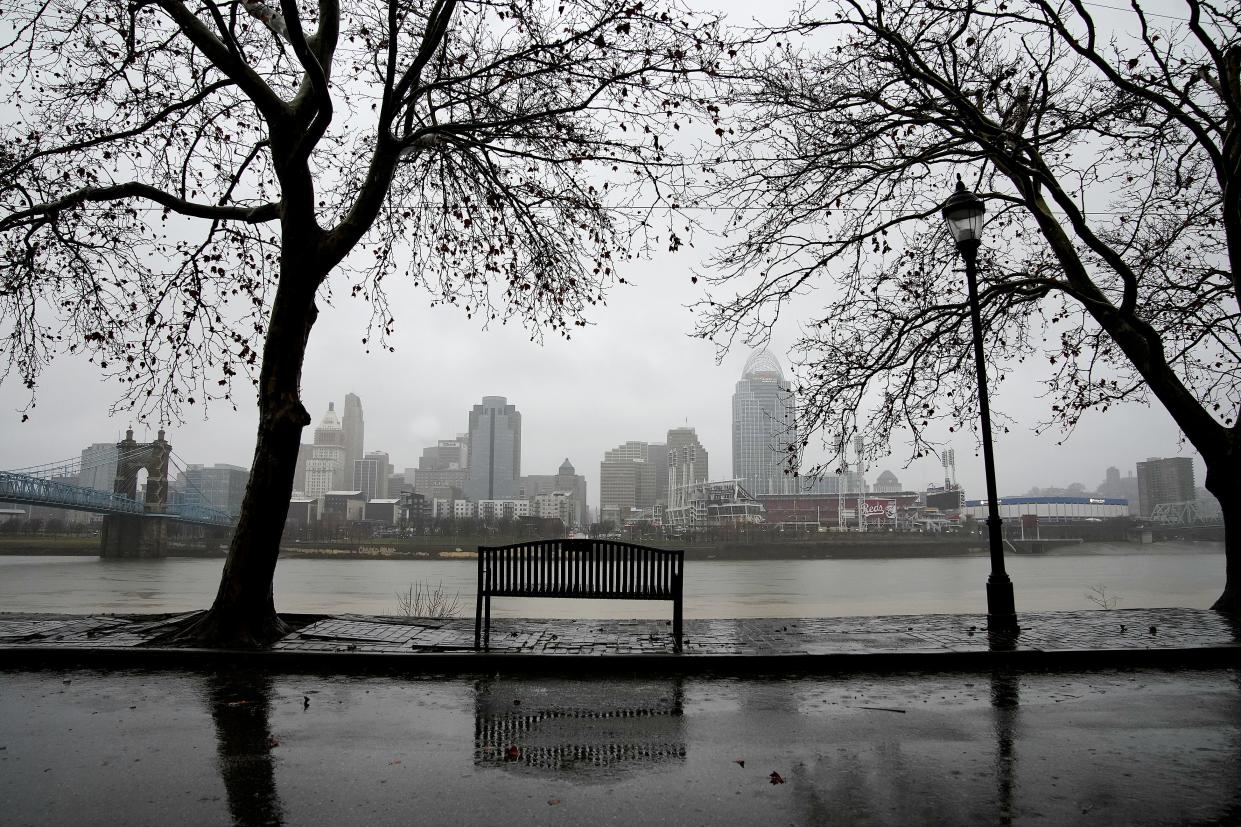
(98,469)
(443,456)
(566,483)
(325,470)
(626,480)
(495,450)
(1165,481)
(221,486)
(657,456)
(370,475)
(567,479)
(887,483)
(763,425)
(681,438)
(354,428)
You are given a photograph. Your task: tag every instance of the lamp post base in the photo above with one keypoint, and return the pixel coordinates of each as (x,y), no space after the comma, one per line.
(1001,607)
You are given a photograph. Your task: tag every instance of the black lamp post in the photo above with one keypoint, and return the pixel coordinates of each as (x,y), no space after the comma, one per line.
(963,213)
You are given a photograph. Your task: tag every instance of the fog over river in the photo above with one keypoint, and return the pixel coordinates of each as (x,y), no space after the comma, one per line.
(1164,574)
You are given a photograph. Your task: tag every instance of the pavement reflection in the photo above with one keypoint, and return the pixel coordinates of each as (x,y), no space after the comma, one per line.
(583,729)
(1006,704)
(240,706)
(1008,746)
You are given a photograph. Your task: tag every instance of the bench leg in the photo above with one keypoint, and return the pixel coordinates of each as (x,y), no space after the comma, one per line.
(478,621)
(676,622)
(487,622)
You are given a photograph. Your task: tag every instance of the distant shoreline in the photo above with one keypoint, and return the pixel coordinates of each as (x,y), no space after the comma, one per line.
(838,548)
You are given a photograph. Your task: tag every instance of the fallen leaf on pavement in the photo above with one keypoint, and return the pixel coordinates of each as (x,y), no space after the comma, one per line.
(739,761)
(776,778)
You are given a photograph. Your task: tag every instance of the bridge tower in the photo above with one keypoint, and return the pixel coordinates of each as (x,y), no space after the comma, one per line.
(129,535)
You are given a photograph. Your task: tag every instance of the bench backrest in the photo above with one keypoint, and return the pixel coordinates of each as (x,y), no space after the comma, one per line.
(580,568)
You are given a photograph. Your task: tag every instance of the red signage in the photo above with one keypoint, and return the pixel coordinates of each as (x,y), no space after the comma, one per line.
(881,508)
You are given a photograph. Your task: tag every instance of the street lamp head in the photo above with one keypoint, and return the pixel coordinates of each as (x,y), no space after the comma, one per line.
(963,214)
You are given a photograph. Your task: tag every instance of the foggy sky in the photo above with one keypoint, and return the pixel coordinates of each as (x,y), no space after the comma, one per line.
(631,375)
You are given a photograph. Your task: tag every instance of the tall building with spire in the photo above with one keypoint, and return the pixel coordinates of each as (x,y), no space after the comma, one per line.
(325,469)
(763,425)
(495,450)
(354,427)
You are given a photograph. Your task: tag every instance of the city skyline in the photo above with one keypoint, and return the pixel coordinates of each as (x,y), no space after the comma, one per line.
(625,387)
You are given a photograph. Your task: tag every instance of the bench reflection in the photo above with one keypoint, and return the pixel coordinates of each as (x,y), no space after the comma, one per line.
(579,726)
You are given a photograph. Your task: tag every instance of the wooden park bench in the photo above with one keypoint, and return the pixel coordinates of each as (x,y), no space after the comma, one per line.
(601,569)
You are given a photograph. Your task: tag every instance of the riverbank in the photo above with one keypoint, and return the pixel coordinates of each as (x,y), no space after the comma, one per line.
(840,547)
(875,546)
(49,546)
(826,547)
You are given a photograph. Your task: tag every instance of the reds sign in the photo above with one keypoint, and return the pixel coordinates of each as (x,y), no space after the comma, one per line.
(881,508)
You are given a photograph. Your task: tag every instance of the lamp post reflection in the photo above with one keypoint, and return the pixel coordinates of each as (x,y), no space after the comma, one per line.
(1005,701)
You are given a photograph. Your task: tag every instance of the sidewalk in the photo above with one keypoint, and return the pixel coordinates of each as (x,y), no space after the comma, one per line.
(1133,637)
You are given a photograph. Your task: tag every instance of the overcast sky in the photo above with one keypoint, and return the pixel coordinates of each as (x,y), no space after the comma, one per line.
(632,375)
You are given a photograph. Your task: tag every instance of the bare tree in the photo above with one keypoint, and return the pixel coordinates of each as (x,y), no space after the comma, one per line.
(180,177)
(1110,161)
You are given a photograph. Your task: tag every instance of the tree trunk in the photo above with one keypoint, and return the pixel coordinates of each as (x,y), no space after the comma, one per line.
(1224,481)
(244,612)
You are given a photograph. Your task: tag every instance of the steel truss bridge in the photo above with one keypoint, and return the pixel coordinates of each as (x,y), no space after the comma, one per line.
(28,490)
(52,485)
(1192,513)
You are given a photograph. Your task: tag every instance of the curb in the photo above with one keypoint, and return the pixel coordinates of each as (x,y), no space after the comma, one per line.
(472,663)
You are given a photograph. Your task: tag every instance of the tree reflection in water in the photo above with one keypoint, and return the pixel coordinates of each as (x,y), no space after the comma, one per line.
(240,705)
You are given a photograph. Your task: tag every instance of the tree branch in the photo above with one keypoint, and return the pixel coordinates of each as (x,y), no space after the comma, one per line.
(251,215)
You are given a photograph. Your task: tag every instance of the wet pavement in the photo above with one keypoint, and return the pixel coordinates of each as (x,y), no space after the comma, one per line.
(1134,636)
(1131,747)
(881,720)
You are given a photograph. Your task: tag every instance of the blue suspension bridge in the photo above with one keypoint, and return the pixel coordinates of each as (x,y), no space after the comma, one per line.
(128,520)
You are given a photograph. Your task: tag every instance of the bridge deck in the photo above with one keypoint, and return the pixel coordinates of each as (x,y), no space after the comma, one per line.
(30,490)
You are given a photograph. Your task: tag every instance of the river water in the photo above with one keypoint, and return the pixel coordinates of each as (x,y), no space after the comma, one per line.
(1165,574)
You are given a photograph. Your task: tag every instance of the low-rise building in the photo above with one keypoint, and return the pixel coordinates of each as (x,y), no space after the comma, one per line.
(558,505)
(344,506)
(385,510)
(303,511)
(415,508)
(1052,509)
(508,509)
(443,508)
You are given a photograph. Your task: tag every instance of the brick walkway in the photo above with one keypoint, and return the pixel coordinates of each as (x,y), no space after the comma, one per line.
(1126,630)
